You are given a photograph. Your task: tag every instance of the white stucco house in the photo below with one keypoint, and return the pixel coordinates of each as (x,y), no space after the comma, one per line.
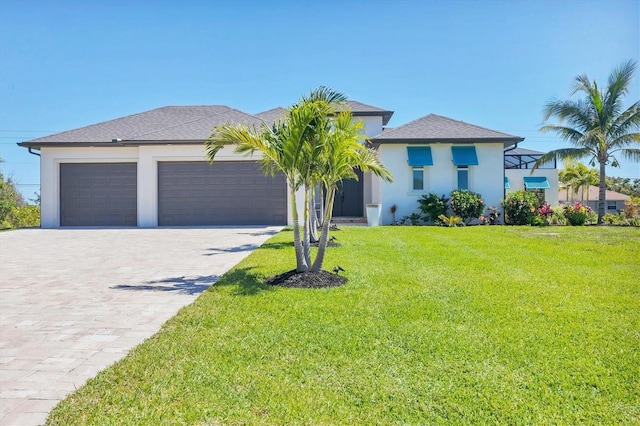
(150,169)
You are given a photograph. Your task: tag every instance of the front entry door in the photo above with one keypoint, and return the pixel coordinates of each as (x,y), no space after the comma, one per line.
(349,198)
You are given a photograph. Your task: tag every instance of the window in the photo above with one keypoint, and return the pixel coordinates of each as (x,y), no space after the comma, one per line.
(418,179)
(612,206)
(463,178)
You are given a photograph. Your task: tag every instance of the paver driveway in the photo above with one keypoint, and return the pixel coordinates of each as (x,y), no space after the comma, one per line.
(74,301)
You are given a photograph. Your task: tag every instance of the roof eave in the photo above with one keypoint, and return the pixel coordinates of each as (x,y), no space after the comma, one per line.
(39,145)
(505,141)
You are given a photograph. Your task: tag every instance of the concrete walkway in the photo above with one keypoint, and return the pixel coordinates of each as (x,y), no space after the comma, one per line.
(74,301)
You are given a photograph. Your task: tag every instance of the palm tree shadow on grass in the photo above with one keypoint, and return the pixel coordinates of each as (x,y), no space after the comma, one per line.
(277,245)
(246,282)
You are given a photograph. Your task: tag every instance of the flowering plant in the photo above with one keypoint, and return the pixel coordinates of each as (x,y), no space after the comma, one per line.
(576,213)
(466,204)
(545,210)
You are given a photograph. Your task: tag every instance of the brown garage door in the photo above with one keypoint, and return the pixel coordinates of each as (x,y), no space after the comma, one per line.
(98,194)
(222,193)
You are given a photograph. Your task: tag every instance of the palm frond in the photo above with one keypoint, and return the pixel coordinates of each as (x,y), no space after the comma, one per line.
(562,154)
(632,154)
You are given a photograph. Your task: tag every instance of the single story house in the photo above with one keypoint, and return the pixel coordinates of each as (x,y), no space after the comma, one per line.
(150,169)
(615,200)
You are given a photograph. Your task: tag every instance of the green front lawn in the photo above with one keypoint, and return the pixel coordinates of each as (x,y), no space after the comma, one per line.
(484,325)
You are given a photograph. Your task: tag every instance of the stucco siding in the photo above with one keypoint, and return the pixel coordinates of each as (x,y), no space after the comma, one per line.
(486,178)
(516,182)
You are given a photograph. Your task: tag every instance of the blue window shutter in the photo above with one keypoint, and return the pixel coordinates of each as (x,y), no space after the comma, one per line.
(507,185)
(464,155)
(536,182)
(419,156)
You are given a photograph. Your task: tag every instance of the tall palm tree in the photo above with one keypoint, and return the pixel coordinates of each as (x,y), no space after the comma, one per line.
(597,126)
(342,153)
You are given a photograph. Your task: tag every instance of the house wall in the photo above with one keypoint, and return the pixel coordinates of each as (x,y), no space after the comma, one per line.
(371,184)
(147,158)
(486,178)
(516,181)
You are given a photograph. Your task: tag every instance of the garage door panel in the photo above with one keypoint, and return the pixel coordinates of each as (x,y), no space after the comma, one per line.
(98,194)
(223,193)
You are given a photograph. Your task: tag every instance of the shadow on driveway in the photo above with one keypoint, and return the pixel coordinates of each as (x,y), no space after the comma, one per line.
(180,285)
(235,249)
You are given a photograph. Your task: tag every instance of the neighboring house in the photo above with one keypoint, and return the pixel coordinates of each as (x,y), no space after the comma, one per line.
(150,169)
(615,200)
(518,174)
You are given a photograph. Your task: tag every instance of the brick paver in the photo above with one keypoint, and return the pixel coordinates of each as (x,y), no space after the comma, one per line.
(74,301)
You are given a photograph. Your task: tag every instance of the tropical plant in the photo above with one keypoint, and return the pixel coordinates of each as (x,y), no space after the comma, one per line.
(451,221)
(577,213)
(597,126)
(578,177)
(520,207)
(341,153)
(311,148)
(414,219)
(466,204)
(432,206)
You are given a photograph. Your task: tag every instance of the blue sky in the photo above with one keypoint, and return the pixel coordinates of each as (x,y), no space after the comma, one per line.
(67,64)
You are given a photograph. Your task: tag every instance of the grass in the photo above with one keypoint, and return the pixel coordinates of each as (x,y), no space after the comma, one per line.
(477,325)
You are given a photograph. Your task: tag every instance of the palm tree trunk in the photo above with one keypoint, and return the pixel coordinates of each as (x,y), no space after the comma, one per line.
(306,244)
(324,236)
(301,265)
(602,193)
(313,216)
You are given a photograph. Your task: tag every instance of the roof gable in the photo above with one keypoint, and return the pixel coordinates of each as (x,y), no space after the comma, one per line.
(434,128)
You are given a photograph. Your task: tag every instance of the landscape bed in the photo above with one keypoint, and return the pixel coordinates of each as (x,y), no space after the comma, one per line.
(498,325)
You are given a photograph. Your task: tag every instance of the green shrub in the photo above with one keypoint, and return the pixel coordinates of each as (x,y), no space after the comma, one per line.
(520,207)
(577,214)
(26,217)
(467,204)
(557,218)
(414,219)
(432,206)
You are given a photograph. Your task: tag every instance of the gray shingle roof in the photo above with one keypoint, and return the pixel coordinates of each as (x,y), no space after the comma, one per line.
(360,109)
(170,123)
(272,115)
(356,108)
(435,128)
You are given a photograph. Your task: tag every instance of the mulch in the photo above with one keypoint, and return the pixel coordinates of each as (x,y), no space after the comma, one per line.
(293,279)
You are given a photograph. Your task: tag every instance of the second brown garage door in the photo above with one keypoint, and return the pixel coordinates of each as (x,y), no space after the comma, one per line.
(222,193)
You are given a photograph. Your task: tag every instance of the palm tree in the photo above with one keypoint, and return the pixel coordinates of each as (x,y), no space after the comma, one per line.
(578,177)
(597,126)
(343,152)
(283,149)
(310,148)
